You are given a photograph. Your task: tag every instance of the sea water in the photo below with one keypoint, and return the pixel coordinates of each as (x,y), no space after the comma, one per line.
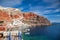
(44,33)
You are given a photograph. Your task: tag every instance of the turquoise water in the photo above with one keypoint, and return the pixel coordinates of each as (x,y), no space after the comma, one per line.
(44,33)
(35,38)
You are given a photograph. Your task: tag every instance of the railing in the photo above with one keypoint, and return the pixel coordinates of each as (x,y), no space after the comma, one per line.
(12,35)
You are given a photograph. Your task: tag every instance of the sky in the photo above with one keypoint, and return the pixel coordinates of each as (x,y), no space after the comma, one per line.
(47,8)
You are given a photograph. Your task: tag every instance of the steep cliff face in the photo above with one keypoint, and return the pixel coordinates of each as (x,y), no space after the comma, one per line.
(35,20)
(4,15)
(11,18)
(4,18)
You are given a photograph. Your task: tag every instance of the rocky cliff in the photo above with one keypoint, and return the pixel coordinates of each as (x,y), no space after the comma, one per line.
(35,20)
(12,17)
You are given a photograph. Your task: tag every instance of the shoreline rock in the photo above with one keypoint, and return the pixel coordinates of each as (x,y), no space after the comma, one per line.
(10,16)
(35,20)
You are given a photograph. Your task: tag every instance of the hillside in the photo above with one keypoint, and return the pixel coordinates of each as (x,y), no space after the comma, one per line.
(14,18)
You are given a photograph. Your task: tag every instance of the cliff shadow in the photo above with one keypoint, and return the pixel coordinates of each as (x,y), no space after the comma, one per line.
(37,30)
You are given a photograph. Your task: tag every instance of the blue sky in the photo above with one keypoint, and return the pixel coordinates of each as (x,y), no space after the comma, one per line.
(46,8)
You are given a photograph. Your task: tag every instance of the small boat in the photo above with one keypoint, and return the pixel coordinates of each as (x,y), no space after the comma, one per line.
(27,33)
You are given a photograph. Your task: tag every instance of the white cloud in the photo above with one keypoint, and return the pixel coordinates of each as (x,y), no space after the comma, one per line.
(47,11)
(42,10)
(51,11)
(37,9)
(21,8)
(54,5)
(58,15)
(53,18)
(30,5)
(56,20)
(57,10)
(11,2)
(50,0)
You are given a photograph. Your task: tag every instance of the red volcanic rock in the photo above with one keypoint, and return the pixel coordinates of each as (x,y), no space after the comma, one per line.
(29,15)
(16,16)
(7,16)
(2,28)
(4,16)
(35,20)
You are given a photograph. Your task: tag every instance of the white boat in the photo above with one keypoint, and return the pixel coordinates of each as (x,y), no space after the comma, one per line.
(27,33)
